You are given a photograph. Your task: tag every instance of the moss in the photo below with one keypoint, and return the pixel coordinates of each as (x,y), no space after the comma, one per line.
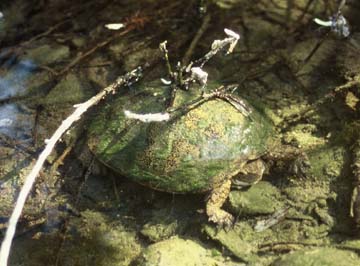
(319,256)
(305,192)
(242,249)
(351,244)
(159,231)
(176,252)
(91,239)
(305,136)
(350,132)
(102,242)
(34,252)
(247,244)
(47,54)
(163,225)
(261,198)
(327,162)
(71,89)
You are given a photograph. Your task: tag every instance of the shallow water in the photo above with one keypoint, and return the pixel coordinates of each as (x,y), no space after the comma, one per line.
(302,76)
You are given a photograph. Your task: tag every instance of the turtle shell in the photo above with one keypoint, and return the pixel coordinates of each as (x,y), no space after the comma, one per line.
(192,152)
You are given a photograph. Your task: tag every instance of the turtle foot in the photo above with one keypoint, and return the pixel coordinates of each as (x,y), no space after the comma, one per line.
(222,218)
(214,203)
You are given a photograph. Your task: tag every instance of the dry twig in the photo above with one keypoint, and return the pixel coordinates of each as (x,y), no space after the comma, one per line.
(196,39)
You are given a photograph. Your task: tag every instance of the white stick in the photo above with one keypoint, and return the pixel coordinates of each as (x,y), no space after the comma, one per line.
(323,22)
(115,26)
(30,179)
(147,118)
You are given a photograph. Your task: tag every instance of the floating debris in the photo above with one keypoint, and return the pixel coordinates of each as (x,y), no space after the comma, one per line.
(165,81)
(115,26)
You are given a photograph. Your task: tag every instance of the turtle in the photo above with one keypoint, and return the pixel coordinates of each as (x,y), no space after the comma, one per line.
(206,146)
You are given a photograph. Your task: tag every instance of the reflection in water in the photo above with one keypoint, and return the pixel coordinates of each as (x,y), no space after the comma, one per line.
(14,81)
(14,122)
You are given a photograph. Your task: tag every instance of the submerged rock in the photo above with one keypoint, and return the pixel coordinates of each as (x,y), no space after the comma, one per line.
(176,252)
(319,256)
(159,231)
(46,54)
(71,89)
(261,198)
(234,242)
(103,242)
(162,226)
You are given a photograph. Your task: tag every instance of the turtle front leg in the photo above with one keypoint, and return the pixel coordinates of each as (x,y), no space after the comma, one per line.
(214,203)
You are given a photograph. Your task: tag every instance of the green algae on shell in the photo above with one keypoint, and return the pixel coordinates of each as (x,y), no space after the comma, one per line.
(192,152)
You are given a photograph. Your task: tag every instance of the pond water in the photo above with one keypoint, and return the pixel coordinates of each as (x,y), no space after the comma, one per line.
(302,76)
(14,120)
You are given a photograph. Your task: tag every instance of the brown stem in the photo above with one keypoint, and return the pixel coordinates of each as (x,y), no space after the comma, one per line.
(196,39)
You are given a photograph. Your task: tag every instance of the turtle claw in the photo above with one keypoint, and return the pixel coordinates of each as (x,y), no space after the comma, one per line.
(215,200)
(223,220)
(226,226)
